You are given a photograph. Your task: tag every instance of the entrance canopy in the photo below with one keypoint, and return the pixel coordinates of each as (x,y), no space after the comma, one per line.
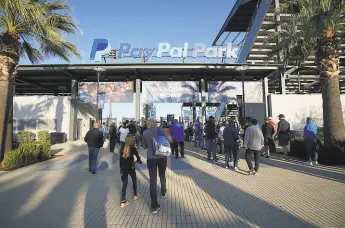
(56,79)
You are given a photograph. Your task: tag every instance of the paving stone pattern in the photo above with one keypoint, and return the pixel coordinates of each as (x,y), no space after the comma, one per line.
(61,193)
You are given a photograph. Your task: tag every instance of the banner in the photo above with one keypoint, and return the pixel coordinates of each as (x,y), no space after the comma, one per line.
(219,92)
(171,92)
(114,92)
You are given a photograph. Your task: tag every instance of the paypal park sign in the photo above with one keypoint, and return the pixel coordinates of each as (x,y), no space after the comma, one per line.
(101,48)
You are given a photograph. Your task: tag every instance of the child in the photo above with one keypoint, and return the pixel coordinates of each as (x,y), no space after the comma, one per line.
(128,155)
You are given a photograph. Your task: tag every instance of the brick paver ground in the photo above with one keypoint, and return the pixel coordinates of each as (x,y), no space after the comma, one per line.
(61,193)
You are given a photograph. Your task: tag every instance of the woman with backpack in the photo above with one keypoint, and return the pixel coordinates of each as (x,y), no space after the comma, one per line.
(128,156)
(155,162)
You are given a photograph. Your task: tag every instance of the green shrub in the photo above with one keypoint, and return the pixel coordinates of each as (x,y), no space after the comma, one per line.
(43,136)
(297,148)
(31,151)
(45,150)
(12,159)
(332,154)
(25,136)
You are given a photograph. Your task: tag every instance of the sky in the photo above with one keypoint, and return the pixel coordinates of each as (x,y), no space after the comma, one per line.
(144,24)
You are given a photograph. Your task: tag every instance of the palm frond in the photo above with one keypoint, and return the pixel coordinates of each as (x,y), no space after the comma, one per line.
(34,55)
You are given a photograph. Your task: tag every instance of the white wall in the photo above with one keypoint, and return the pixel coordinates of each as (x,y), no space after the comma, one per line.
(43,108)
(297,108)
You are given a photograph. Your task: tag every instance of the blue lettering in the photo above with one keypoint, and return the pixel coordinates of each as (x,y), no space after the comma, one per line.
(149,53)
(124,48)
(137,52)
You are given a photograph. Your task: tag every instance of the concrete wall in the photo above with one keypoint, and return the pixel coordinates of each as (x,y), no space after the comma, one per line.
(297,108)
(45,109)
(256,111)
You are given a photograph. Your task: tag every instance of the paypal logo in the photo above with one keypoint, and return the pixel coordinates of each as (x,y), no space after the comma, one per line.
(99,48)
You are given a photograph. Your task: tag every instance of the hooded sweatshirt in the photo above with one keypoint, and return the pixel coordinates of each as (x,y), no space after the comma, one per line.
(176,132)
(310,131)
(124,131)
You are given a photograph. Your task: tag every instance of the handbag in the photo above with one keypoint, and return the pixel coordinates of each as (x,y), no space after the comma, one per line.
(161,145)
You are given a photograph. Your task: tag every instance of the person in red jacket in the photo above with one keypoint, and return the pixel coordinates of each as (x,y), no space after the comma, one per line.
(273,145)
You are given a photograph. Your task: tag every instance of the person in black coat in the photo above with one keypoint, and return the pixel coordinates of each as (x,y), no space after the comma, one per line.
(268,132)
(112,137)
(95,140)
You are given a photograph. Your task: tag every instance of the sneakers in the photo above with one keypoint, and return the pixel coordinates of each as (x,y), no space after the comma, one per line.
(165,195)
(252,172)
(236,169)
(124,204)
(227,166)
(155,210)
(136,196)
(316,163)
(310,163)
(93,172)
(268,157)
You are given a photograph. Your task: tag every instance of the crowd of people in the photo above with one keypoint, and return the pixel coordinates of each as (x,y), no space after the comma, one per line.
(230,136)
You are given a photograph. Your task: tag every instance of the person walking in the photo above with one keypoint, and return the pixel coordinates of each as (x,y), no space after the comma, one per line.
(177,135)
(112,137)
(128,156)
(138,135)
(124,131)
(283,134)
(197,133)
(273,145)
(155,162)
(95,140)
(231,137)
(211,139)
(221,138)
(253,143)
(268,132)
(310,140)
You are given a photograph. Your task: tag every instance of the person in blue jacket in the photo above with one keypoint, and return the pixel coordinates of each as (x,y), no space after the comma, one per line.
(197,133)
(310,141)
(177,134)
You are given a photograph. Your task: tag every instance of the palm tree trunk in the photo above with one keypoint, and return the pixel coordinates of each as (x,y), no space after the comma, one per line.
(9,57)
(7,70)
(332,111)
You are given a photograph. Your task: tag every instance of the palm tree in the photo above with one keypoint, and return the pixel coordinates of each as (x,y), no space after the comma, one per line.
(24,23)
(313,29)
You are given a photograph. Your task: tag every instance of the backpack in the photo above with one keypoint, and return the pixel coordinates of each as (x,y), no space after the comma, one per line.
(161,145)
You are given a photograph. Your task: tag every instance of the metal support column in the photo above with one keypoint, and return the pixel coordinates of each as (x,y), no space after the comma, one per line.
(73,120)
(243,97)
(265,94)
(282,79)
(203,99)
(137,100)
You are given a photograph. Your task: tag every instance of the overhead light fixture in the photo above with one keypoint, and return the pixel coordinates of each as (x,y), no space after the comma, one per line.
(234,78)
(213,78)
(191,77)
(106,78)
(127,78)
(170,77)
(84,78)
(148,77)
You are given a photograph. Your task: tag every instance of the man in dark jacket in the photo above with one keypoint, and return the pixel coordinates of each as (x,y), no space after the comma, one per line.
(268,132)
(231,137)
(95,140)
(211,139)
(112,137)
(131,127)
(177,134)
(283,134)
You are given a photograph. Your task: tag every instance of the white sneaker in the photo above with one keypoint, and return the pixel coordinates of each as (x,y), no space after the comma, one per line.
(125,204)
(316,163)
(165,196)
(310,163)
(236,169)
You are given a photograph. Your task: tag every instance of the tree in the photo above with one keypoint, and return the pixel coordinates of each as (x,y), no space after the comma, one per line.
(25,24)
(313,30)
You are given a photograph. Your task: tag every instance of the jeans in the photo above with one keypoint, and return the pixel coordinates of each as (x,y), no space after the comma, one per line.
(231,154)
(248,154)
(175,148)
(197,140)
(93,153)
(222,149)
(153,164)
(211,148)
(310,146)
(138,141)
(124,177)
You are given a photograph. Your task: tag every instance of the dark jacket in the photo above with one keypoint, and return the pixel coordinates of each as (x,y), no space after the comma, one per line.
(113,132)
(230,135)
(267,130)
(283,128)
(211,130)
(176,132)
(132,129)
(126,163)
(94,138)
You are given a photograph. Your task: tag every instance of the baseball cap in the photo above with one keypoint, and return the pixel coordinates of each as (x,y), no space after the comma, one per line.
(281,116)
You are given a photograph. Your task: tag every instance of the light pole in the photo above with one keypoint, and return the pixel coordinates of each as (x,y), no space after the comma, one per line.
(99,70)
